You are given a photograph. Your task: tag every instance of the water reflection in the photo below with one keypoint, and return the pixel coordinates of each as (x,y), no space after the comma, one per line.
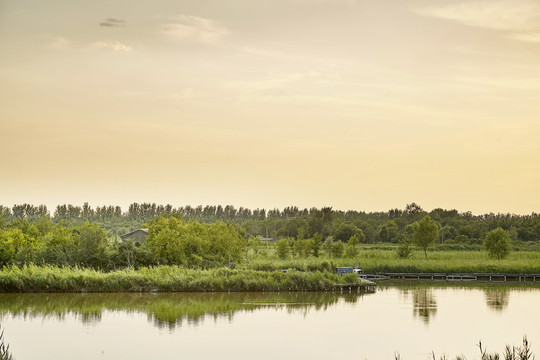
(165,310)
(423,301)
(425,304)
(171,310)
(497,299)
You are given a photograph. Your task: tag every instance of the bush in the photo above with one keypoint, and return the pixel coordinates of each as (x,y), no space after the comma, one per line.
(404,249)
(282,249)
(497,243)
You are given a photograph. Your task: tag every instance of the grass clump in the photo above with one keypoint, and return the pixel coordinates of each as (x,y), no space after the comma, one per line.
(510,353)
(5,354)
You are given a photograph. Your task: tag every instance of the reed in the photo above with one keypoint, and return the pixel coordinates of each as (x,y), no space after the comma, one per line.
(4,349)
(510,353)
(163,278)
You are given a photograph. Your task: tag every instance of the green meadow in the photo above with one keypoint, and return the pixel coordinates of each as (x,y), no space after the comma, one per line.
(386,260)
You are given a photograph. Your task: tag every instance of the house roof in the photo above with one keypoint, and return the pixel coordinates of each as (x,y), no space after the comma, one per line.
(133,232)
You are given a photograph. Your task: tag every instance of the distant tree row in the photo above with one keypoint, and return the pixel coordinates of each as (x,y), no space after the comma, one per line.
(292,222)
(172,240)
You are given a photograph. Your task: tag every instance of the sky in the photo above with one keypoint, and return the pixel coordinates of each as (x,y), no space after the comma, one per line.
(355,104)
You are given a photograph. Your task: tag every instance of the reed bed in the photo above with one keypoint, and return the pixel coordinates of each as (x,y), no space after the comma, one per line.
(163,278)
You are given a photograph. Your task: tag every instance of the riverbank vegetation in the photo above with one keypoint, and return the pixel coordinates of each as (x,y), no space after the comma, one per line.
(439,261)
(165,278)
(4,349)
(305,240)
(523,352)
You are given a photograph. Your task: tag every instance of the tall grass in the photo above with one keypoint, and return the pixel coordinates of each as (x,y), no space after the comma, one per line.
(510,353)
(387,261)
(163,278)
(4,350)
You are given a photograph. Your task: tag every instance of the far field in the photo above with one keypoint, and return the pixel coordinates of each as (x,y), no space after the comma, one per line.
(385,259)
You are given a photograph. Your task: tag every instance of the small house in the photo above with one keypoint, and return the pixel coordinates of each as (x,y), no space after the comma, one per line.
(268,240)
(138,235)
(344,270)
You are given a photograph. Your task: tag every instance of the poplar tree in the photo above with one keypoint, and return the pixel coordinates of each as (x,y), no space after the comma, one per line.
(425,232)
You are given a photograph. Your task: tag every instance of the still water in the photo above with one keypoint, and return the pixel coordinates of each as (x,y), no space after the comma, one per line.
(412,319)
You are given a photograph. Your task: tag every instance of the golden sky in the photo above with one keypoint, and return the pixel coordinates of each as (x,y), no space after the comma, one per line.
(355,104)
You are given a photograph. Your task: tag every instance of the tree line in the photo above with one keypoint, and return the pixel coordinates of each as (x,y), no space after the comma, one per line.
(390,226)
(173,240)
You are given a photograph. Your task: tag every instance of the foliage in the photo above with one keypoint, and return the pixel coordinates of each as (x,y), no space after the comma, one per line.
(282,249)
(337,249)
(404,249)
(316,244)
(93,244)
(425,232)
(351,249)
(175,242)
(327,246)
(68,235)
(255,244)
(7,248)
(497,243)
(388,231)
(131,254)
(346,230)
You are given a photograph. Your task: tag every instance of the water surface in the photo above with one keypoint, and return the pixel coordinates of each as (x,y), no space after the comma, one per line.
(413,319)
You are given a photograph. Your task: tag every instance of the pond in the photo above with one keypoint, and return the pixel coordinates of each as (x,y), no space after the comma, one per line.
(410,318)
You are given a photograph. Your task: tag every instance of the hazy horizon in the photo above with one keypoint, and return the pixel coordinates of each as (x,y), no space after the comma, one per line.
(352,104)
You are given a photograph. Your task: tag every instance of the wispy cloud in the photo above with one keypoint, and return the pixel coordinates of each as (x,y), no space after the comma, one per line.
(112,22)
(112,45)
(508,83)
(526,37)
(56,42)
(514,15)
(194,28)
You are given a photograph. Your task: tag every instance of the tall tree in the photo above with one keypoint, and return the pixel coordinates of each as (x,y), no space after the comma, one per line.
(425,233)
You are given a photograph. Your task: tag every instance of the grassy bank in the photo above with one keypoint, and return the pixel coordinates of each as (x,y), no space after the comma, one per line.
(163,278)
(386,261)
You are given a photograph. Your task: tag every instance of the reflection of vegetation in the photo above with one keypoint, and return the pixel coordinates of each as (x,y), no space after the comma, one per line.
(425,304)
(497,299)
(164,309)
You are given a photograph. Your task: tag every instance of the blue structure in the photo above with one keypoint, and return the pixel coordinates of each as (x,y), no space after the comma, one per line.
(344,270)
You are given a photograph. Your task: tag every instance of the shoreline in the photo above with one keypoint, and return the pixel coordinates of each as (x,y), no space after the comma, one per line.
(50,279)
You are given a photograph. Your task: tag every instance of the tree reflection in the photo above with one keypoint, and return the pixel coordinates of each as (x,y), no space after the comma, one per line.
(165,310)
(425,304)
(497,298)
